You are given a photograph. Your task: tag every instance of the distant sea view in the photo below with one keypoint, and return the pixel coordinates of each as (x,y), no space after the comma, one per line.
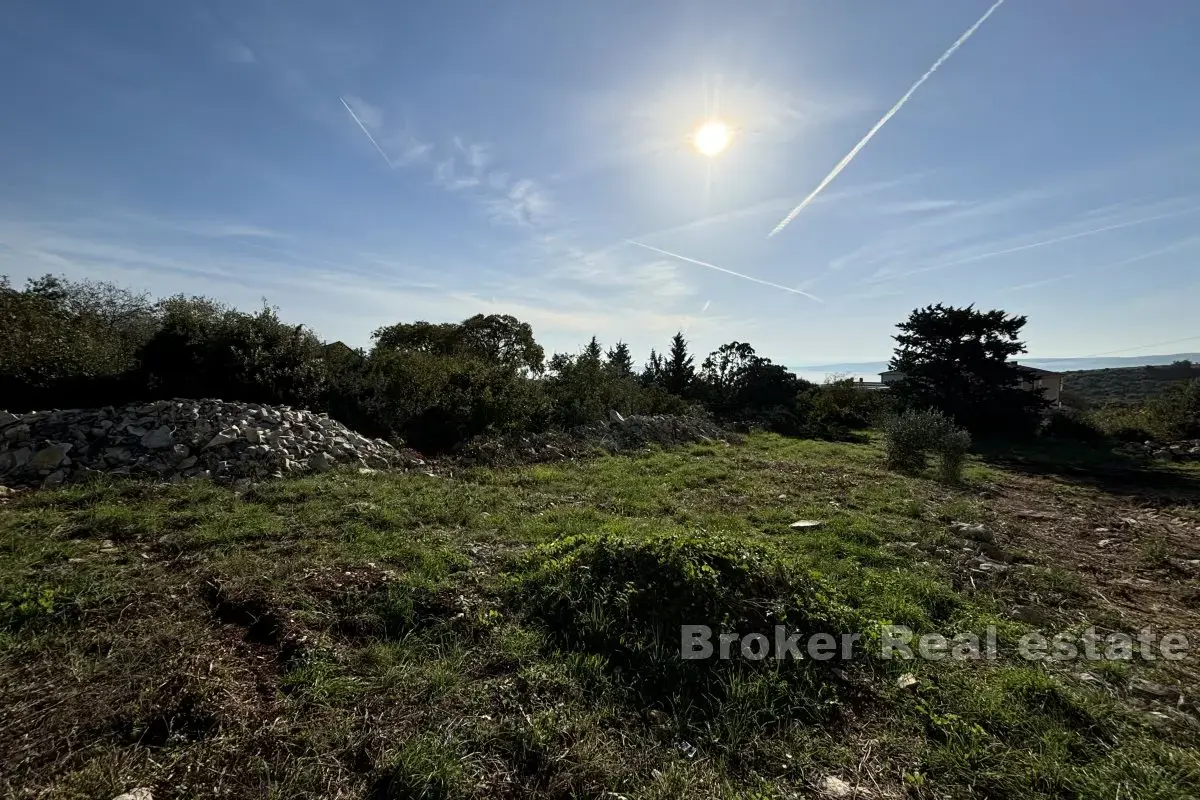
(869,370)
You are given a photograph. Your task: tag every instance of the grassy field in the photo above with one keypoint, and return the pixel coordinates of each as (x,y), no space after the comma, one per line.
(515,633)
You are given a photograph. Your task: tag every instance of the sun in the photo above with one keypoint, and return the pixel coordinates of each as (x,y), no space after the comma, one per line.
(712,138)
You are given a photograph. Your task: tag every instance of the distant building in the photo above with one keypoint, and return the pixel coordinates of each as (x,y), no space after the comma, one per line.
(870,386)
(1051,382)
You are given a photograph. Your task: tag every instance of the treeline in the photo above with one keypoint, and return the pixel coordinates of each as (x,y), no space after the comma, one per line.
(67,343)
(1125,385)
(1171,415)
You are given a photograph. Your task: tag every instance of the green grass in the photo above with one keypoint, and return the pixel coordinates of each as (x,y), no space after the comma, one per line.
(515,633)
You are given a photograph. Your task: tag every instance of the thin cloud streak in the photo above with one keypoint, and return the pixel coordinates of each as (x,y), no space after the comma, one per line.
(726,271)
(1158,251)
(883,121)
(363,128)
(1044,243)
(775,204)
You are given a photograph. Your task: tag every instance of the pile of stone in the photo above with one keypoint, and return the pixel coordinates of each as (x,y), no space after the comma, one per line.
(1176,451)
(171,440)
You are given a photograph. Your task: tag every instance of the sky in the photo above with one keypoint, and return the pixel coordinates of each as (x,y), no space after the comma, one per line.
(359,164)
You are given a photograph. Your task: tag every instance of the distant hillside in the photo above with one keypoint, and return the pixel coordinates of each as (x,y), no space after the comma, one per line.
(1127,384)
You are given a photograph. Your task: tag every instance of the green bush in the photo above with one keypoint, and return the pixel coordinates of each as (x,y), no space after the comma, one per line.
(952,451)
(435,402)
(1069,423)
(1173,415)
(1124,422)
(70,344)
(626,599)
(1177,410)
(913,435)
(203,349)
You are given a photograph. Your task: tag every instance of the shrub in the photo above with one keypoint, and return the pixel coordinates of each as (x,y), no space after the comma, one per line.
(626,599)
(1172,415)
(1124,422)
(1069,423)
(1177,410)
(952,452)
(912,435)
(203,349)
(435,402)
(65,344)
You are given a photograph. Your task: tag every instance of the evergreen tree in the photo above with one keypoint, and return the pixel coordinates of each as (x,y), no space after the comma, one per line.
(619,359)
(593,351)
(652,373)
(678,371)
(956,360)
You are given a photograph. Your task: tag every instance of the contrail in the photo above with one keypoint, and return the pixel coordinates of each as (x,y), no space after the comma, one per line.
(726,271)
(364,130)
(883,121)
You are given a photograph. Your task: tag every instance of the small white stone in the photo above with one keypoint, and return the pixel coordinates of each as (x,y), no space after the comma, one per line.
(135,794)
(833,786)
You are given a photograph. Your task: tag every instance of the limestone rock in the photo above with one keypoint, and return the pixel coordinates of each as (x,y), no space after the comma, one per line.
(49,457)
(222,438)
(158,439)
(135,794)
(835,787)
(16,432)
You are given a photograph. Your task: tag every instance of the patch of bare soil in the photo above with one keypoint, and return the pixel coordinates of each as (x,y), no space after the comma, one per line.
(1140,556)
(1069,556)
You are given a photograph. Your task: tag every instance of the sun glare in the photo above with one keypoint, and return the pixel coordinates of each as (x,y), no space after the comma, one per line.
(711,138)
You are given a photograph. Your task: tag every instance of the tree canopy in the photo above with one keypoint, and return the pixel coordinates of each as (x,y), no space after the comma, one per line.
(957,360)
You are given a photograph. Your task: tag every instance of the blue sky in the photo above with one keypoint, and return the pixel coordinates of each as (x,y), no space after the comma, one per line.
(1050,167)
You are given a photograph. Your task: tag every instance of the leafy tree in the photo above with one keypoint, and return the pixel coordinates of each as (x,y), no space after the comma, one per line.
(417,337)
(504,339)
(203,349)
(678,372)
(581,390)
(722,373)
(70,343)
(434,402)
(956,360)
(495,338)
(130,314)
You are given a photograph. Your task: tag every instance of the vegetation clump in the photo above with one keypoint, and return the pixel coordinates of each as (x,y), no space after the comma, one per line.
(912,435)
(627,599)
